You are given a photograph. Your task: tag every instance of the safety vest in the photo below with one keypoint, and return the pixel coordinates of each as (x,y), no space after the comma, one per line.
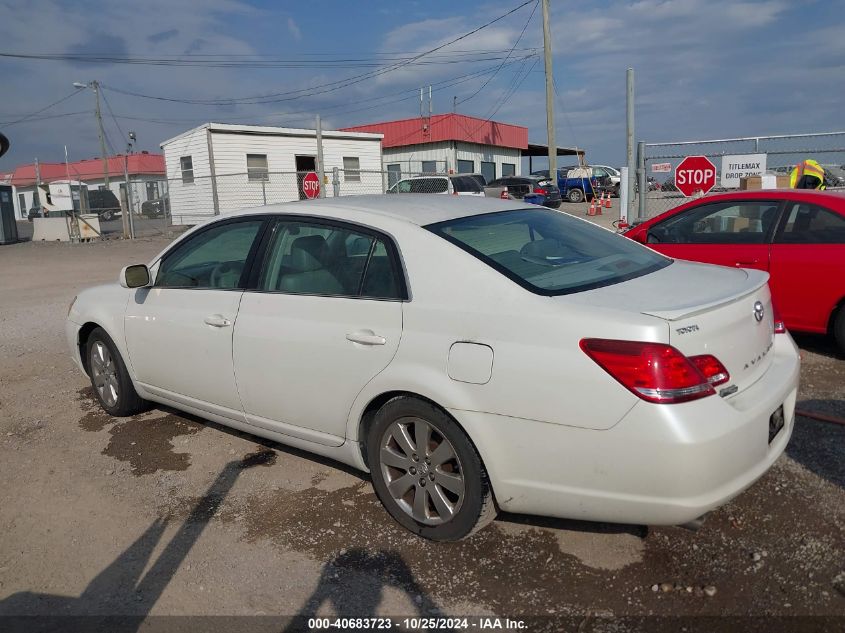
(808,167)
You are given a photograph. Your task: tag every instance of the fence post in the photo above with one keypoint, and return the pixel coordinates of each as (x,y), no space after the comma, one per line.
(215,199)
(641,179)
(264,191)
(335,182)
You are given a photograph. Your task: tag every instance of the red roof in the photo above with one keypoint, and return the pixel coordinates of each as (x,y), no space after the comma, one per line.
(447,127)
(91,169)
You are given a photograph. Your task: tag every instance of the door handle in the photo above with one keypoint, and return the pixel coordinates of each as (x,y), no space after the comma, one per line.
(217,320)
(744,264)
(366,338)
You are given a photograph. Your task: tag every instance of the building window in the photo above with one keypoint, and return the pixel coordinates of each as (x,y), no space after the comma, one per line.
(488,170)
(351,169)
(394,174)
(466,166)
(256,168)
(429,167)
(187,166)
(508,169)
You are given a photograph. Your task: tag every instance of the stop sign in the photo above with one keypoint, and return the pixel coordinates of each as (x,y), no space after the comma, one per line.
(311,185)
(695,173)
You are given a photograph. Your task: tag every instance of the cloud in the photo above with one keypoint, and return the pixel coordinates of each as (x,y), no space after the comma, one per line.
(155,38)
(293,29)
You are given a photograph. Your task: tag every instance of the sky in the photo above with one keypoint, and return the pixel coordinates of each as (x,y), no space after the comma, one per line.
(704,68)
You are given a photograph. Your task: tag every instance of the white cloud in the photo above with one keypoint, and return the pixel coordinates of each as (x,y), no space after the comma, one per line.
(293,29)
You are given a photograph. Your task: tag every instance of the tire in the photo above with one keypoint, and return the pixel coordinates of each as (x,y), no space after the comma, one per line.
(575,195)
(111,382)
(839,329)
(442,502)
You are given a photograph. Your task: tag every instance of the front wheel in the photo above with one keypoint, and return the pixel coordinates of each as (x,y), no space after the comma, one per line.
(575,195)
(839,329)
(427,473)
(112,385)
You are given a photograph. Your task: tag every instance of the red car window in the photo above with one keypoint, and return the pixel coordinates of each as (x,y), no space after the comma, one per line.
(745,222)
(811,224)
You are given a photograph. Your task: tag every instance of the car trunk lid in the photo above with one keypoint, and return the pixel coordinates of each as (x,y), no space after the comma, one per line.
(708,309)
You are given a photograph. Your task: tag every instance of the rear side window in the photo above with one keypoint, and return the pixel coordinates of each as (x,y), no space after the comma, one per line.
(325,259)
(466,184)
(811,224)
(550,253)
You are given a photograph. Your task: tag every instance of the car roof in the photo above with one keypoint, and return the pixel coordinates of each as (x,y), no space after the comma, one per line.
(415,208)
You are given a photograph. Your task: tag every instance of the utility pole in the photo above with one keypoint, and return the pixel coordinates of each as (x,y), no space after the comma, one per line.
(550,111)
(95,87)
(632,159)
(321,170)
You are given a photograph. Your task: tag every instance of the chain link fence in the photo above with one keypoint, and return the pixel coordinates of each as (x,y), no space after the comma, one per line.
(781,153)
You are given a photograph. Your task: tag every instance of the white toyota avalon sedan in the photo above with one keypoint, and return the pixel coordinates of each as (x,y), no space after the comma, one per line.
(471,354)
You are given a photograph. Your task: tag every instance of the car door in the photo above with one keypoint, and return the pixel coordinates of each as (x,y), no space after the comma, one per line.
(729,233)
(179,332)
(808,266)
(323,318)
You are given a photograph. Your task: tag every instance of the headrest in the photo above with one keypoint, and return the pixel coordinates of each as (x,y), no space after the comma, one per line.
(549,247)
(308,253)
(751,211)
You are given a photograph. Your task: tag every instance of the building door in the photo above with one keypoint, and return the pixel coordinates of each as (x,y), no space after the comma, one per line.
(152,190)
(304,164)
(394,174)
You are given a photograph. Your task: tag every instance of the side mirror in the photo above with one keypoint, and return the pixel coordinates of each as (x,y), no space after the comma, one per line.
(135,276)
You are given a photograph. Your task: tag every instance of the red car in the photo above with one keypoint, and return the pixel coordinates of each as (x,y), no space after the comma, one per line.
(798,236)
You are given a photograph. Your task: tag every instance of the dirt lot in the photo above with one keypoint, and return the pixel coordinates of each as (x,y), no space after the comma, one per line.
(170,515)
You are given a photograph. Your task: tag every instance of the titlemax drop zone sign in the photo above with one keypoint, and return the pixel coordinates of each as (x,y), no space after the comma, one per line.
(740,166)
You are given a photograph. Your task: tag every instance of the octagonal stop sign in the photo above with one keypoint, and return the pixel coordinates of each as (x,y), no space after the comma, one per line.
(694,174)
(311,185)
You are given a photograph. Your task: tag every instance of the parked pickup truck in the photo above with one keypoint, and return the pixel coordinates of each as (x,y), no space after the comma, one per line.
(576,183)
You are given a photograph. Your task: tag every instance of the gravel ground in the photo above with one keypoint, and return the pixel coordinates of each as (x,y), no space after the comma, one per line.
(167,514)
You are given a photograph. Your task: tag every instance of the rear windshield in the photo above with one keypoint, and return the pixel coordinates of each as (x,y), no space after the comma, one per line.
(549,252)
(466,183)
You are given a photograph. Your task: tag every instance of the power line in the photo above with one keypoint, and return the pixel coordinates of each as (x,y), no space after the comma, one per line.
(32,119)
(515,44)
(291,95)
(44,109)
(117,125)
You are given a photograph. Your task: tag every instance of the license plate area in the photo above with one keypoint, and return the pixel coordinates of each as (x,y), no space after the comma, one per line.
(775,423)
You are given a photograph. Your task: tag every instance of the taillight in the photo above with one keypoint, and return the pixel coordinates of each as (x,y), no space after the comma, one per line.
(540,191)
(711,368)
(655,372)
(780,326)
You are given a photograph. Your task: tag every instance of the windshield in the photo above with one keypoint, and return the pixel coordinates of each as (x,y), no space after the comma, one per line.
(549,252)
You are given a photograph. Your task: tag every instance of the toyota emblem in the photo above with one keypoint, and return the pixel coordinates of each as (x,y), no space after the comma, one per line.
(759,311)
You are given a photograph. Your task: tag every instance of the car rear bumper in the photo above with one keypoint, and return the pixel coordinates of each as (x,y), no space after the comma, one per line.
(660,465)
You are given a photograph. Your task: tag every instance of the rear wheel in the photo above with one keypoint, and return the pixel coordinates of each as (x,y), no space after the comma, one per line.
(427,473)
(112,385)
(575,195)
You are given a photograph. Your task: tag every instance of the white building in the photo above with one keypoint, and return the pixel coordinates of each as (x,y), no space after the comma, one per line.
(217,167)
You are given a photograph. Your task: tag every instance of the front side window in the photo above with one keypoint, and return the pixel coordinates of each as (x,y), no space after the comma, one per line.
(351,169)
(811,224)
(186,163)
(324,259)
(550,253)
(212,259)
(256,168)
(746,222)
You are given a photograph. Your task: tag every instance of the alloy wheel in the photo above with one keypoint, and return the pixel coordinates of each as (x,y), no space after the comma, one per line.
(104,374)
(422,471)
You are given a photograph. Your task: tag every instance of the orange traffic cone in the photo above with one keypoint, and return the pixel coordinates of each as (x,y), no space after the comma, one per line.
(598,205)
(607,201)
(592,209)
